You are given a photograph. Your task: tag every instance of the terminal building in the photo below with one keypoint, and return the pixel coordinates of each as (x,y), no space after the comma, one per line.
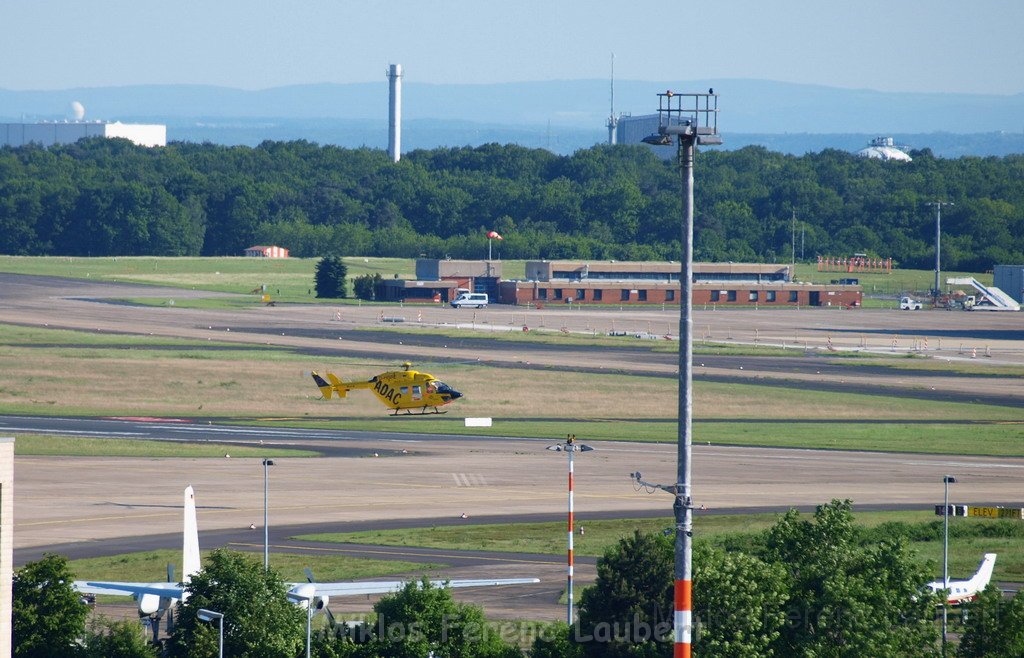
(441,280)
(728,284)
(616,283)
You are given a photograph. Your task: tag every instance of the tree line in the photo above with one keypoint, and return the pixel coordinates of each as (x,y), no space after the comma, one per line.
(105,197)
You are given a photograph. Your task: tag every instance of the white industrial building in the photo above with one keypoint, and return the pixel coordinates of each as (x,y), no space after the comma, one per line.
(50,133)
(884,148)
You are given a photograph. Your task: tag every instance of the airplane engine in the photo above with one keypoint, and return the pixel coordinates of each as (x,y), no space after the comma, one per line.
(149,604)
(319,602)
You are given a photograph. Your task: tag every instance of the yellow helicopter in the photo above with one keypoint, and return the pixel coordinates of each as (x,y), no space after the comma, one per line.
(401,390)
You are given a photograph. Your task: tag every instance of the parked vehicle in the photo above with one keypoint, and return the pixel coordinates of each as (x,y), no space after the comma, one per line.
(910,304)
(474,299)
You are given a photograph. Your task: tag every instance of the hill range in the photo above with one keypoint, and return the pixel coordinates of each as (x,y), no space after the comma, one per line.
(561,116)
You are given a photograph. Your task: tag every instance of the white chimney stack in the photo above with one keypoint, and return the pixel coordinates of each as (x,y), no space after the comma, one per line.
(395,112)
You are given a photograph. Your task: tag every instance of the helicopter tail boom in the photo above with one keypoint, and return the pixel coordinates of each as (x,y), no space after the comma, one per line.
(328,389)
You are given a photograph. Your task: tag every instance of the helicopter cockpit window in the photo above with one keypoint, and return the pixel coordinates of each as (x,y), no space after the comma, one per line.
(442,387)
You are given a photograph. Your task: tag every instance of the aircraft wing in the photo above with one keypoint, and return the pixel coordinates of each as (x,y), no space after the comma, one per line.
(163,590)
(387,586)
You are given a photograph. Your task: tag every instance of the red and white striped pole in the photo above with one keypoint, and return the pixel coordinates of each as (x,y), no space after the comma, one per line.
(570,446)
(569,615)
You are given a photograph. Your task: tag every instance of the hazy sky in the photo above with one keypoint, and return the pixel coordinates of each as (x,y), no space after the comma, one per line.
(890,45)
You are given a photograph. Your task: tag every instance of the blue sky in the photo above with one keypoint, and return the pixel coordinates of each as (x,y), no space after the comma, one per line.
(888,45)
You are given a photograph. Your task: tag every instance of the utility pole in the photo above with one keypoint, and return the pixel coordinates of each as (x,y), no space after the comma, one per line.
(946,481)
(938,226)
(267,463)
(792,243)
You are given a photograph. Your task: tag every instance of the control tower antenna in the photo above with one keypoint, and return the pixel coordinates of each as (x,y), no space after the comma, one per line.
(613,122)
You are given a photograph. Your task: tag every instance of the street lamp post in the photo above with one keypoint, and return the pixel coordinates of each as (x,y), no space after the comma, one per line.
(267,463)
(295,597)
(210,615)
(687,120)
(570,447)
(946,481)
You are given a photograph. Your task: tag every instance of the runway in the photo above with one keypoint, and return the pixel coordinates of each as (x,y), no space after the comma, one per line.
(64,500)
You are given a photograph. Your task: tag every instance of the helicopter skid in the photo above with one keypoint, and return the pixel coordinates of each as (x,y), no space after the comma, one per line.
(409,413)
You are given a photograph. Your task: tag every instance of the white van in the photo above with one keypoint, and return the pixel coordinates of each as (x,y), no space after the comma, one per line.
(475,299)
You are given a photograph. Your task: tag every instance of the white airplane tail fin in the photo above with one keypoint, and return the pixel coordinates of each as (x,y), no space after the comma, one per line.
(190,550)
(980,580)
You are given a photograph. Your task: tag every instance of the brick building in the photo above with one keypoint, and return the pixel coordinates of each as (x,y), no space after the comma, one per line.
(728,284)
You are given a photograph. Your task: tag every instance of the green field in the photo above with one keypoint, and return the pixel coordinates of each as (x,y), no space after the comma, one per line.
(294,276)
(894,283)
(969,537)
(284,279)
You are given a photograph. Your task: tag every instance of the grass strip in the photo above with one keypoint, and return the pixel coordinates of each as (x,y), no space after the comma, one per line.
(938,363)
(151,566)
(970,537)
(69,446)
(12,335)
(982,438)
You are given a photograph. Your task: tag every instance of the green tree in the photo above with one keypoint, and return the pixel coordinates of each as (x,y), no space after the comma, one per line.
(994,626)
(421,618)
(330,277)
(117,639)
(48,616)
(628,610)
(738,603)
(366,286)
(848,599)
(259,620)
(556,641)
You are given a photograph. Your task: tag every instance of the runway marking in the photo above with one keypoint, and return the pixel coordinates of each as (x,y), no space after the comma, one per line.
(471,480)
(554,559)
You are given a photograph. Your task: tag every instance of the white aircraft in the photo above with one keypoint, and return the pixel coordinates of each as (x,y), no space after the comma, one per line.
(156,599)
(961,591)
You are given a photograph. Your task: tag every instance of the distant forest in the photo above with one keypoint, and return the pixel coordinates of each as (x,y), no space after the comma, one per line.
(110,198)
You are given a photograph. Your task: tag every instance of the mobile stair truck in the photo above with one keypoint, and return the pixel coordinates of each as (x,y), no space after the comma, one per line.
(990,298)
